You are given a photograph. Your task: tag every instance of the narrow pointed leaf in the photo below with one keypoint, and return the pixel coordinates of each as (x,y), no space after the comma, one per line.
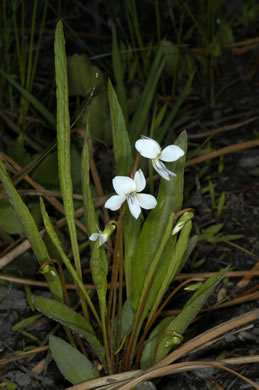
(63,140)
(148,354)
(99,269)
(127,319)
(131,233)
(121,142)
(170,264)
(90,216)
(190,310)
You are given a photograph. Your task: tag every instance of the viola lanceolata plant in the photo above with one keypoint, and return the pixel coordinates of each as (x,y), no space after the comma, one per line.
(119,323)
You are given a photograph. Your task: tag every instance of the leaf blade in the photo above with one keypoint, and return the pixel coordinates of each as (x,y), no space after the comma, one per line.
(121,143)
(63,140)
(74,366)
(70,318)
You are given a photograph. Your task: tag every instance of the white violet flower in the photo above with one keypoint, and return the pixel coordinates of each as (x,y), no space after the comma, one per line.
(103,236)
(149,148)
(128,189)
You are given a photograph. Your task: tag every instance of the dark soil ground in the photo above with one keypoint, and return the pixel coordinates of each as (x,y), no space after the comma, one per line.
(239,179)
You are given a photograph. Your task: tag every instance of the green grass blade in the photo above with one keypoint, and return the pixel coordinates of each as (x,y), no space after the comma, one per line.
(140,118)
(31,232)
(162,131)
(30,98)
(118,73)
(63,140)
(121,142)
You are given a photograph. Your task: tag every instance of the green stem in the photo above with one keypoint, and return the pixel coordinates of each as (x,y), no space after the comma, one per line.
(117,260)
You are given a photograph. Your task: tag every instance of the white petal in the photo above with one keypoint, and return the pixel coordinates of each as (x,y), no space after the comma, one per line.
(134,205)
(140,180)
(94,236)
(123,185)
(102,239)
(148,148)
(162,170)
(171,153)
(114,202)
(146,201)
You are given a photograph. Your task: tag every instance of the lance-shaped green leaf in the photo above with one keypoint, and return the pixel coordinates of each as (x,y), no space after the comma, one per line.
(189,311)
(73,365)
(153,269)
(149,351)
(54,238)
(131,231)
(127,319)
(90,216)
(169,200)
(31,231)
(121,142)
(68,317)
(169,265)
(99,269)
(63,141)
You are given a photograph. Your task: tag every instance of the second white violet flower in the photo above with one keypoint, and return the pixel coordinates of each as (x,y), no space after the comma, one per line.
(149,148)
(129,189)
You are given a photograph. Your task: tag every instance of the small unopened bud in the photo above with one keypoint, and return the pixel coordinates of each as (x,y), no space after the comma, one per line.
(181,222)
